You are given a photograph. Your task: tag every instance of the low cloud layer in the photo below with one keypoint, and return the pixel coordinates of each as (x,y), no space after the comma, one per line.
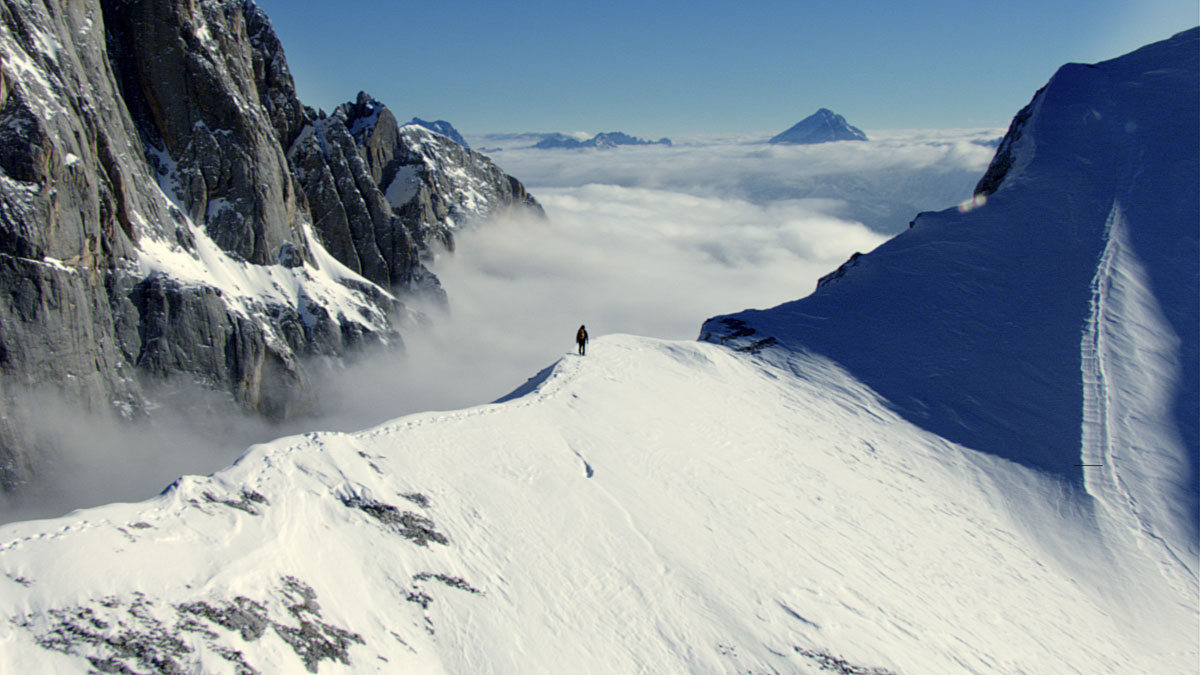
(620,260)
(882,183)
(87,458)
(648,241)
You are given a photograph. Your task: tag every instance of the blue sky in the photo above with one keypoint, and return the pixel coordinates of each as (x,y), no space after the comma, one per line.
(672,68)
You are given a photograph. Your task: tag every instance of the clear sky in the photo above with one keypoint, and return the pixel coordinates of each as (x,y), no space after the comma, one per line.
(662,68)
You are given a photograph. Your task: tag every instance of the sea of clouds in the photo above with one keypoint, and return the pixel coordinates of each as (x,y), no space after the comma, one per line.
(652,241)
(882,183)
(644,240)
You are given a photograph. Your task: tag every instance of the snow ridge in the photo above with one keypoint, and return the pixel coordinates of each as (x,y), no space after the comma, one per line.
(1130,365)
(654,506)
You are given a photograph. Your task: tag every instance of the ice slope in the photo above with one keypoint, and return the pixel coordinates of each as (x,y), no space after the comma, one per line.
(1054,323)
(654,507)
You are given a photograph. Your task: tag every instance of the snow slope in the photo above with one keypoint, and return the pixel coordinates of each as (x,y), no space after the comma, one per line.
(823,126)
(876,480)
(1054,321)
(652,507)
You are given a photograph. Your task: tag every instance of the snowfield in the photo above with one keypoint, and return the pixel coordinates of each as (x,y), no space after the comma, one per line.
(1058,324)
(652,507)
(972,450)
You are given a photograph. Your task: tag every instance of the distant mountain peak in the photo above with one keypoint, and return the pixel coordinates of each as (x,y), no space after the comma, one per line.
(609,139)
(444,128)
(823,126)
(1007,280)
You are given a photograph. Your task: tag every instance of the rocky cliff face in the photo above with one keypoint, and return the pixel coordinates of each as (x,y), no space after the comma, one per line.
(170,210)
(382,194)
(438,186)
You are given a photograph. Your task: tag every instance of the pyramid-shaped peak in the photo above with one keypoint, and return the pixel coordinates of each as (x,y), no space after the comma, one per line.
(822,126)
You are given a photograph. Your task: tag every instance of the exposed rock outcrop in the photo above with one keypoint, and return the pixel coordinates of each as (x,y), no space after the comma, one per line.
(1006,150)
(188,77)
(438,186)
(170,209)
(381,194)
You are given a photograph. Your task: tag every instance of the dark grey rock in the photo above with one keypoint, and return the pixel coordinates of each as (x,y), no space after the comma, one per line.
(166,121)
(382,195)
(248,501)
(431,183)
(834,664)
(241,615)
(998,169)
(314,640)
(350,213)
(412,526)
(131,635)
(449,580)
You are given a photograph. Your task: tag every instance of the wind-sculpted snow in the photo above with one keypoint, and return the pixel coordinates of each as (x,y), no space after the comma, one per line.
(886,478)
(1131,374)
(654,506)
(970,322)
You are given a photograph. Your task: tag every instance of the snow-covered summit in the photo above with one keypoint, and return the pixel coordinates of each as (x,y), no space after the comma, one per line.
(1052,320)
(654,506)
(769,505)
(444,128)
(823,126)
(604,141)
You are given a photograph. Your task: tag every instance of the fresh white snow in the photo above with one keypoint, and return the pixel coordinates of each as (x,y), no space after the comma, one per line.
(654,506)
(1131,372)
(249,289)
(765,506)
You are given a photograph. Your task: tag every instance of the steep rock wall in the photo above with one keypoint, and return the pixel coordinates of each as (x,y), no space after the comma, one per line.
(169,210)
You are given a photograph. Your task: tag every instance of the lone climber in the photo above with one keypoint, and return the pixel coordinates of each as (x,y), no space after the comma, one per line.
(581,339)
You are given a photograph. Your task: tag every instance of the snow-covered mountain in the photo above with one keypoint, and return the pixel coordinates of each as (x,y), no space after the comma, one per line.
(422,182)
(171,213)
(651,507)
(823,126)
(766,505)
(1056,313)
(444,128)
(606,140)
